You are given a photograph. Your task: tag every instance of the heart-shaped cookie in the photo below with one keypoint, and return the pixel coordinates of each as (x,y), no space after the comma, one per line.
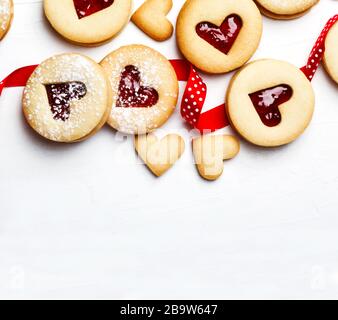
(223,37)
(210,152)
(151,18)
(131,93)
(159,154)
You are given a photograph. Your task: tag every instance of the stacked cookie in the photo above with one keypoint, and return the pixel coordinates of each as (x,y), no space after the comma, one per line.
(285,9)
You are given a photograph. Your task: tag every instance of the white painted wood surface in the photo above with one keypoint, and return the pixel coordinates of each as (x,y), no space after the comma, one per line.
(86,221)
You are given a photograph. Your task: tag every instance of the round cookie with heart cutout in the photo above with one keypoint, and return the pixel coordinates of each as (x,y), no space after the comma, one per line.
(144,86)
(331,53)
(6,15)
(67,98)
(218,36)
(285,9)
(87,22)
(270,103)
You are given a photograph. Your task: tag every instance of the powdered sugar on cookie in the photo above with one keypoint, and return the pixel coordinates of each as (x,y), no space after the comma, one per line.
(5,16)
(86,111)
(155,75)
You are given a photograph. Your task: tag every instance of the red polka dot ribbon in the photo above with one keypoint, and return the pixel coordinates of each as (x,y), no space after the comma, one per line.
(317,53)
(194,98)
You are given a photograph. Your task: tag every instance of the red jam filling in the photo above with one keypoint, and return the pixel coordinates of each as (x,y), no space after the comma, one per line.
(132,94)
(223,37)
(85,8)
(267,101)
(60,96)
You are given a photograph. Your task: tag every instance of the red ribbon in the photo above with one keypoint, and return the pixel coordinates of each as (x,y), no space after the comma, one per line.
(182,69)
(318,50)
(18,78)
(194,99)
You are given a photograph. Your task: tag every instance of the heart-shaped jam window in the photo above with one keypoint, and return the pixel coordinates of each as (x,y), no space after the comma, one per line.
(132,94)
(223,37)
(267,103)
(85,8)
(60,95)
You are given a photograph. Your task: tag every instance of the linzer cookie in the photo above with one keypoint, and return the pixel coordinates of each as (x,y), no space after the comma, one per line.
(6,15)
(270,103)
(218,36)
(285,9)
(144,86)
(87,22)
(67,98)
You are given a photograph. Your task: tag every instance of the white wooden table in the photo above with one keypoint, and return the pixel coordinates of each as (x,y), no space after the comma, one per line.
(86,221)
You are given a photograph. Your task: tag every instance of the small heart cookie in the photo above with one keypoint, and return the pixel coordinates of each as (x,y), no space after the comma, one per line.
(211,151)
(159,154)
(151,18)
